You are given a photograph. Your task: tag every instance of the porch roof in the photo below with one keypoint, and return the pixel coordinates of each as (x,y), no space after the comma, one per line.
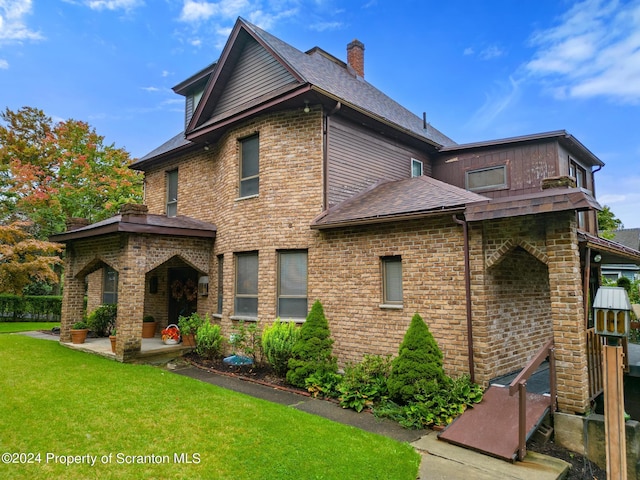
(611,252)
(546,201)
(180,225)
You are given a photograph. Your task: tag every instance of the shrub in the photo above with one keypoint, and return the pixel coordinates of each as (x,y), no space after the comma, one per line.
(190,324)
(246,340)
(208,339)
(102,320)
(80,326)
(312,353)
(418,364)
(277,343)
(323,384)
(365,384)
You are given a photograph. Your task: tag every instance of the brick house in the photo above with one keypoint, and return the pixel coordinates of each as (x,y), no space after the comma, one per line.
(295,180)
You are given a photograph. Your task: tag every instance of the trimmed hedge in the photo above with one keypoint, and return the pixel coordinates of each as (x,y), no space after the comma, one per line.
(30,308)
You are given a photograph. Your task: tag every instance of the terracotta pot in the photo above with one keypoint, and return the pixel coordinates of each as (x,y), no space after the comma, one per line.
(112,338)
(189,340)
(149,329)
(79,336)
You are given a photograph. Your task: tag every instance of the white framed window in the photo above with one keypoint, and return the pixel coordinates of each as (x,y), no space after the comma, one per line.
(292,284)
(249,166)
(172,193)
(491,178)
(246,300)
(416,168)
(392,280)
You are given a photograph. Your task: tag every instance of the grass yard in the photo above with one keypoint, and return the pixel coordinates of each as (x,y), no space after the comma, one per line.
(10,327)
(138,421)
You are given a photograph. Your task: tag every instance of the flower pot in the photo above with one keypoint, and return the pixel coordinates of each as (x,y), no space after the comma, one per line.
(79,336)
(112,339)
(148,329)
(189,340)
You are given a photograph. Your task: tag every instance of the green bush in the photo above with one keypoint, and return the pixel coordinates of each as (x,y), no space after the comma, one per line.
(208,339)
(277,343)
(245,340)
(365,384)
(323,384)
(418,364)
(312,353)
(29,308)
(190,324)
(102,320)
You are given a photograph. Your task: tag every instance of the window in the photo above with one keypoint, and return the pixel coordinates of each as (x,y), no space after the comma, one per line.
(249,166)
(172,193)
(292,284)
(246,303)
(579,173)
(416,168)
(392,280)
(220,278)
(109,286)
(487,178)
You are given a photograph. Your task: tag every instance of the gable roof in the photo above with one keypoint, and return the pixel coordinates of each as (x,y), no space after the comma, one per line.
(388,201)
(629,237)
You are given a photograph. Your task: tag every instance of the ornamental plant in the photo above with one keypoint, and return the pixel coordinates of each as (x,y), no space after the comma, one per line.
(103,319)
(191,323)
(278,340)
(312,352)
(208,340)
(418,366)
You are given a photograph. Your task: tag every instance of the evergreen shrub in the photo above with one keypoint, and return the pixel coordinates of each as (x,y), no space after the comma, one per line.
(312,353)
(277,344)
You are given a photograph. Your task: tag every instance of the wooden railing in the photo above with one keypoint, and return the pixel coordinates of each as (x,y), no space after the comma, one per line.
(519,385)
(594,364)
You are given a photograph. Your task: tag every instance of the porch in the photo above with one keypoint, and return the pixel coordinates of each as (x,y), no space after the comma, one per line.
(152,350)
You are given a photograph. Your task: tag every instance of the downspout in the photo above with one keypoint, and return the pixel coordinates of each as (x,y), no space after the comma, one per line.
(467,288)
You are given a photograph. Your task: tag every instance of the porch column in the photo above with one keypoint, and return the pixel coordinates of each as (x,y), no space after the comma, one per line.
(72,301)
(567,310)
(131,285)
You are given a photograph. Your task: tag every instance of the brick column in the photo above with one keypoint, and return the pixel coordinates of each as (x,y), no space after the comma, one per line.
(131,293)
(567,312)
(72,301)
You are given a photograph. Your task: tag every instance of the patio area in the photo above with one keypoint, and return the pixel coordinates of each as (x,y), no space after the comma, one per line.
(152,350)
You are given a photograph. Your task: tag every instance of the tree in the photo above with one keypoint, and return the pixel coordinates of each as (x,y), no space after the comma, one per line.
(608,223)
(418,367)
(50,172)
(24,259)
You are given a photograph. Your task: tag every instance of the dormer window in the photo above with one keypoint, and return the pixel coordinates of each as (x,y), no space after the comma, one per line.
(172,193)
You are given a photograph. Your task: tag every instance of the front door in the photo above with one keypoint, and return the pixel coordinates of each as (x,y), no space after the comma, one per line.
(183,292)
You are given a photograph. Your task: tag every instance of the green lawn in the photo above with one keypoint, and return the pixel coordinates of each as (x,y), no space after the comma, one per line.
(60,402)
(10,327)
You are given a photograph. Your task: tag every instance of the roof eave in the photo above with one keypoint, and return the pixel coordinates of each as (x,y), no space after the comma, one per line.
(384,218)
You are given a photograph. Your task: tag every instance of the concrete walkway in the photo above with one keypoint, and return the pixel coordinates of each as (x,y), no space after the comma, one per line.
(440,460)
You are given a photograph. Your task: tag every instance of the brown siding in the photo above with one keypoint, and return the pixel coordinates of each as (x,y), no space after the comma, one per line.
(527,166)
(257,73)
(357,158)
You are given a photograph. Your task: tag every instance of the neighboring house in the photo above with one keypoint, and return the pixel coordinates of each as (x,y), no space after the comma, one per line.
(630,238)
(296,180)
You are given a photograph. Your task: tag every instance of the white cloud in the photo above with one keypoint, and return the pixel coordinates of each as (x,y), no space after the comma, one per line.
(4,64)
(492,51)
(505,95)
(126,5)
(594,50)
(195,11)
(324,26)
(12,21)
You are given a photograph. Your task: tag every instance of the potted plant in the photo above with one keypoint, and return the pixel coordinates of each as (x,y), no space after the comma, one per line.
(148,326)
(79,332)
(171,334)
(112,339)
(188,327)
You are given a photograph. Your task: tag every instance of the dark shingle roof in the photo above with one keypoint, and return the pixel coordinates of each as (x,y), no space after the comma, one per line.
(400,199)
(629,237)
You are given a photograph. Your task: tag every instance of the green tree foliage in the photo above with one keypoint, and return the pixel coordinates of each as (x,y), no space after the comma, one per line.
(312,353)
(278,340)
(50,172)
(24,259)
(608,223)
(418,365)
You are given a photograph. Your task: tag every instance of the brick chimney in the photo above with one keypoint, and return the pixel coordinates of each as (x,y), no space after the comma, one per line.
(355,57)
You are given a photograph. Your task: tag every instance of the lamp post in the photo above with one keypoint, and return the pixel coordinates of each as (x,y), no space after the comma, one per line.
(611,309)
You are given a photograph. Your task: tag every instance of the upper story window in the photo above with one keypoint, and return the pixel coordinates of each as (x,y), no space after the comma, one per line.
(172,193)
(579,173)
(249,166)
(109,286)
(416,168)
(392,280)
(292,284)
(491,178)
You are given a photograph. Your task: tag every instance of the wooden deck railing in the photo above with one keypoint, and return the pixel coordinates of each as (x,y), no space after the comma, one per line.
(519,385)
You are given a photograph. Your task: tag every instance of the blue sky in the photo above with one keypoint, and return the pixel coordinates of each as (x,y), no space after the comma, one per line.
(480,70)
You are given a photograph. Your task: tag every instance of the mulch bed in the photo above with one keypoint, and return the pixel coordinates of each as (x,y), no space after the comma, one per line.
(581,467)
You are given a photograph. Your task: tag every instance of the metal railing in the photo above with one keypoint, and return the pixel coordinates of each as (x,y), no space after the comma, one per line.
(519,385)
